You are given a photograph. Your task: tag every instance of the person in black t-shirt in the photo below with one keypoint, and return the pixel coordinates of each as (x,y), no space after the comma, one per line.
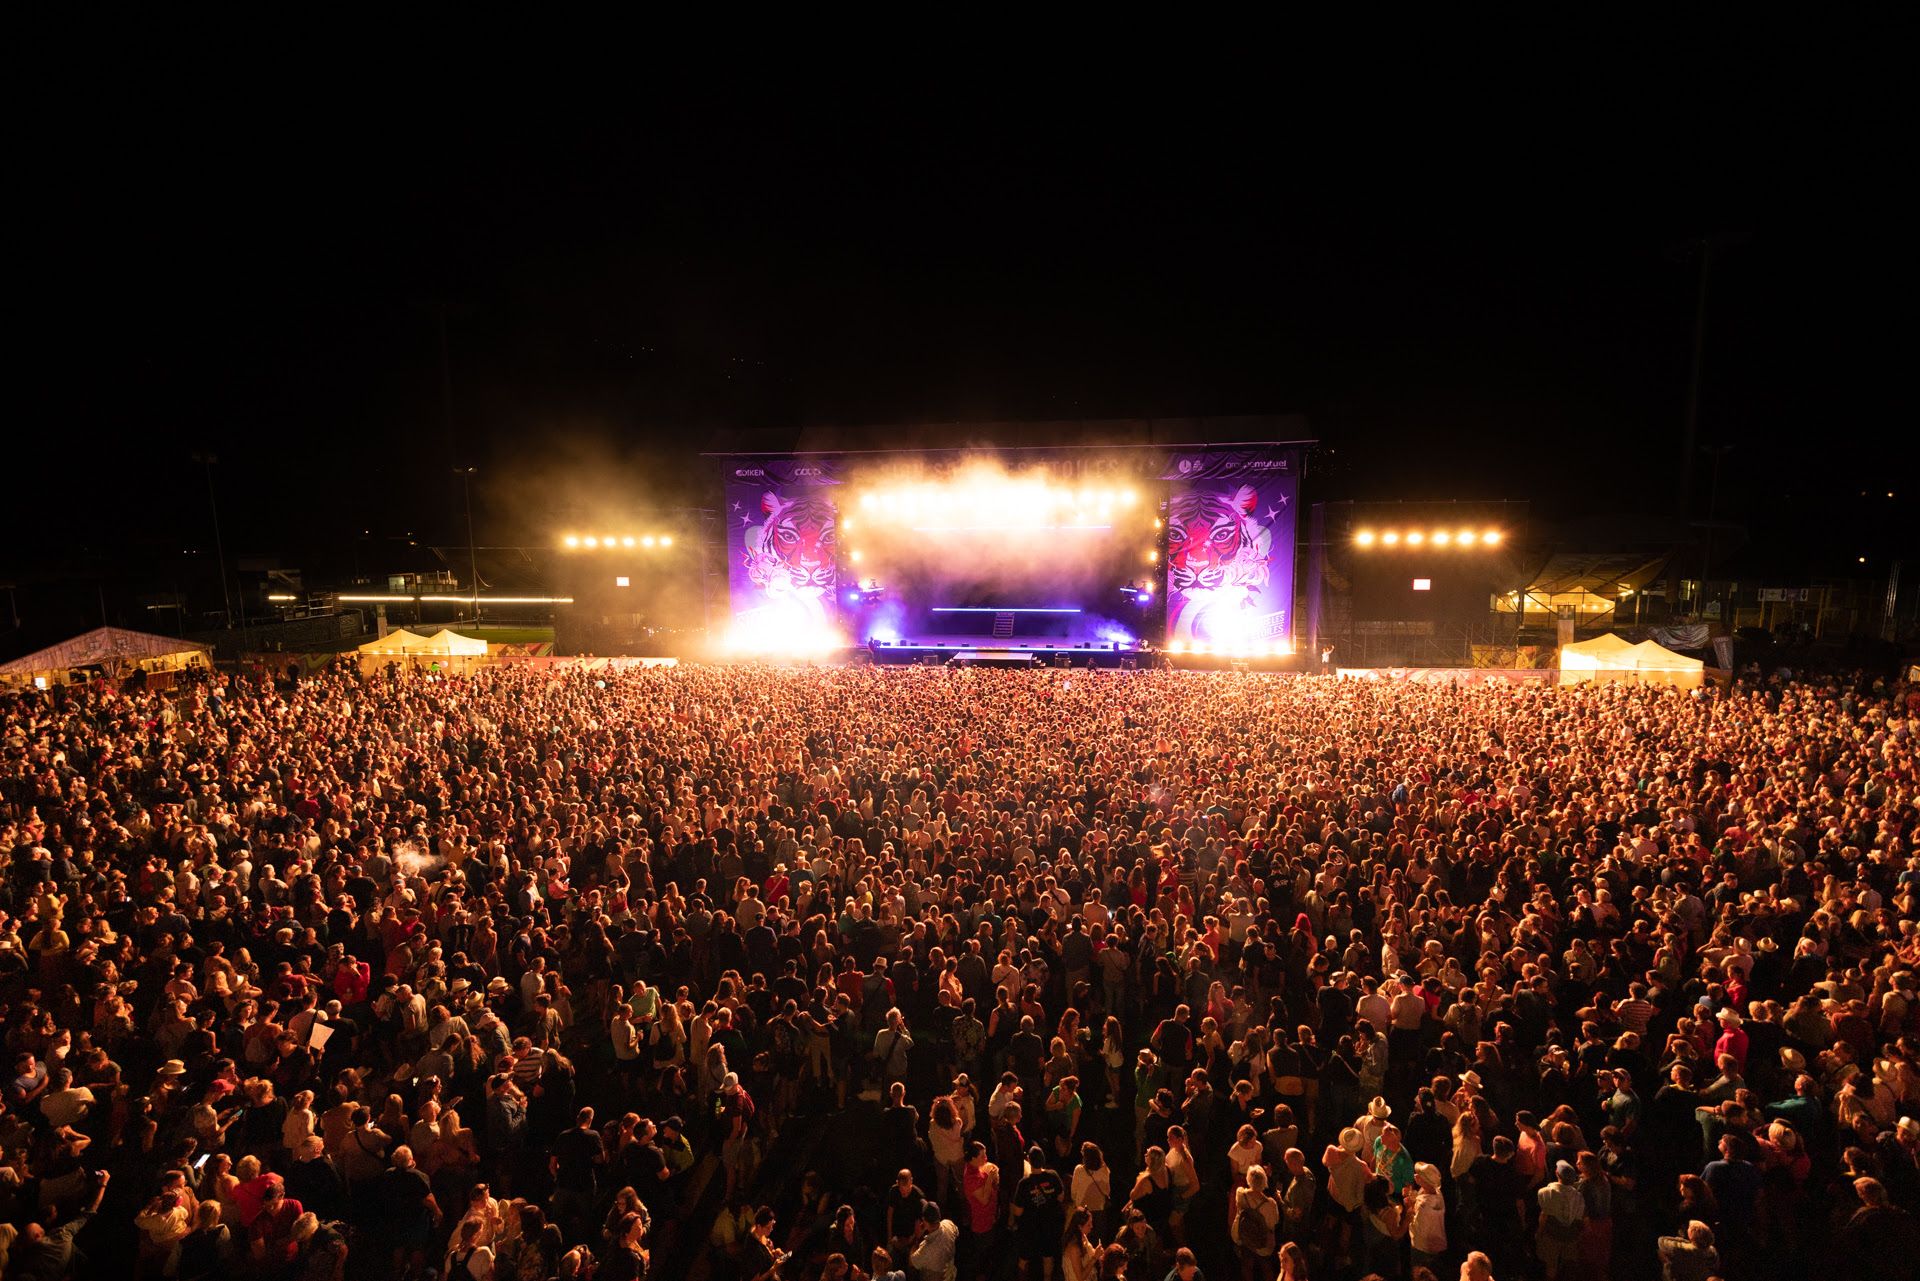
(409,1210)
(1039,1215)
(575,1158)
(901,1209)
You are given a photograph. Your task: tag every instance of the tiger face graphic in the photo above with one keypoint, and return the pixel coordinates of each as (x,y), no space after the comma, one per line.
(791,553)
(1217,557)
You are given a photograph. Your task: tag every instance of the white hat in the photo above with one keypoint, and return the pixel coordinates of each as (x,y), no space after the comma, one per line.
(1379,1109)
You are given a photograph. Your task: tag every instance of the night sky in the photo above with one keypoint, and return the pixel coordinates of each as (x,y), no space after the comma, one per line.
(1489,304)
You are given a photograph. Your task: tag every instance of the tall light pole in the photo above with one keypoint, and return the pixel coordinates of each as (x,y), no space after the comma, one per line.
(207,461)
(473,552)
(1713,511)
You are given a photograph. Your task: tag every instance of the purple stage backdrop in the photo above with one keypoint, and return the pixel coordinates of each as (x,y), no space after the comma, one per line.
(1230,531)
(782,517)
(1229,548)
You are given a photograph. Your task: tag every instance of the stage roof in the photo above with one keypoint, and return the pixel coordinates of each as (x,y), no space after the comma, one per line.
(1597,573)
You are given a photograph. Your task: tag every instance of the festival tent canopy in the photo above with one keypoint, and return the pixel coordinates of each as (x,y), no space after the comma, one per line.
(398,642)
(447,641)
(115,649)
(444,644)
(1611,658)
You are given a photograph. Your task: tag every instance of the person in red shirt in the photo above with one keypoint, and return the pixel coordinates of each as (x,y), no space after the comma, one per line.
(1733,1038)
(270,1235)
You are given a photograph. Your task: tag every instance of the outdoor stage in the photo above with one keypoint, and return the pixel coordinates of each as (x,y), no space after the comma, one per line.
(1070,557)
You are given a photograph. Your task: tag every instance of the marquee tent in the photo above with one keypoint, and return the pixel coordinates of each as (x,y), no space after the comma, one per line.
(444,649)
(1609,658)
(114,651)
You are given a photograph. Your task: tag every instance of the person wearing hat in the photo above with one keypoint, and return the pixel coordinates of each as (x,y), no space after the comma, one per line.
(1428,1232)
(1899,1150)
(1347,1177)
(1733,1038)
(1372,1121)
(1562,1221)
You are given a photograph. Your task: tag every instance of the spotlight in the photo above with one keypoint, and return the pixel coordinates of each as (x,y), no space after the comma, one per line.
(1364,538)
(1391,538)
(1153,558)
(866,501)
(1143,598)
(1465,537)
(666,540)
(647,541)
(627,541)
(1441,538)
(591,541)
(608,541)
(1491,538)
(1128,497)
(854,556)
(1415,538)
(572,540)
(846,522)
(1177,647)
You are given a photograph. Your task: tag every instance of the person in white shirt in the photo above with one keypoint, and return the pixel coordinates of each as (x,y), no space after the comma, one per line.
(1429,1232)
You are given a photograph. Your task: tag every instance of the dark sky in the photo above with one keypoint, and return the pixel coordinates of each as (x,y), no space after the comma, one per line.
(1489,303)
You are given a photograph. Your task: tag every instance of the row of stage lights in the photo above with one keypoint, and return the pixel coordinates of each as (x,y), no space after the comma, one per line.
(1255,649)
(1009,504)
(1425,538)
(593,542)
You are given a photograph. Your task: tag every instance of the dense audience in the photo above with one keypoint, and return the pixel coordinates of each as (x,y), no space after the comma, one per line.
(868,974)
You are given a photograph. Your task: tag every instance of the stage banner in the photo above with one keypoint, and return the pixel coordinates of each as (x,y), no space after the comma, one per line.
(782,515)
(1230,533)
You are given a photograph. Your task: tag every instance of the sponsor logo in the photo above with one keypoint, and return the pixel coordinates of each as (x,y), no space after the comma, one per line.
(749,471)
(807,471)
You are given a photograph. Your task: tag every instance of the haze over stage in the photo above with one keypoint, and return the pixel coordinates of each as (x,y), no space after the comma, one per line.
(1074,547)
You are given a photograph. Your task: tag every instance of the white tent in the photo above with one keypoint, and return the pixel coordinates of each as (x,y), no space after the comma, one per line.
(396,643)
(116,651)
(445,649)
(1609,658)
(448,641)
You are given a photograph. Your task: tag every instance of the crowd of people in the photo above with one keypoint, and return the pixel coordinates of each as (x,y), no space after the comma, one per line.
(867,974)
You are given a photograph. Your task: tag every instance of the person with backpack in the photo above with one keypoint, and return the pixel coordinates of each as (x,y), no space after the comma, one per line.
(1255,1226)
